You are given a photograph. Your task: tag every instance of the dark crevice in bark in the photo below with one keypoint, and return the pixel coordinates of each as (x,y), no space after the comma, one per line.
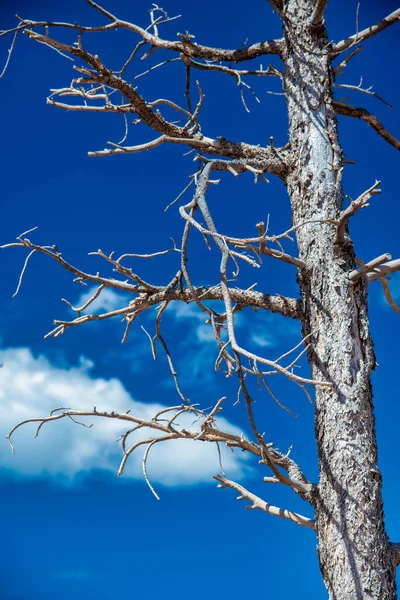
(395,549)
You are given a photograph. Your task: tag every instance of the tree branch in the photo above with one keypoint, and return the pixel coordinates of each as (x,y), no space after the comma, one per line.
(274,162)
(186,47)
(205,431)
(360,36)
(392,266)
(358,88)
(200,202)
(318,12)
(237,73)
(369,267)
(258,503)
(166,429)
(377,270)
(189,48)
(388,295)
(354,207)
(362,113)
(148,295)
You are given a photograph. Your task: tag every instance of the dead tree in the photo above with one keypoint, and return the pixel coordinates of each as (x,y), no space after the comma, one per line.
(356,558)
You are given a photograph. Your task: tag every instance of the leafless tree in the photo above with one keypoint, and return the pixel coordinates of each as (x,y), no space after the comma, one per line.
(356,558)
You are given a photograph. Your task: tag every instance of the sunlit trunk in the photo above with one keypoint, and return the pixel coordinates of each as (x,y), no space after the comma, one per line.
(353,546)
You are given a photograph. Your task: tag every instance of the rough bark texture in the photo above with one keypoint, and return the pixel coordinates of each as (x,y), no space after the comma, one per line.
(354,552)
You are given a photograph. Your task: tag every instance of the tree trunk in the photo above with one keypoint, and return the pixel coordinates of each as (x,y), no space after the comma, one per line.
(354,552)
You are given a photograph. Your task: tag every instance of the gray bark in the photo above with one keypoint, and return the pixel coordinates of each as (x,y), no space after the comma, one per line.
(354,553)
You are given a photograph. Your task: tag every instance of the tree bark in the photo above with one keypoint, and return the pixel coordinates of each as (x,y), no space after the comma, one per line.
(354,552)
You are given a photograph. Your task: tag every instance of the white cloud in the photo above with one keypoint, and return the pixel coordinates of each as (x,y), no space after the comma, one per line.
(264,341)
(32,386)
(204,333)
(181,310)
(107,301)
(274,330)
(197,329)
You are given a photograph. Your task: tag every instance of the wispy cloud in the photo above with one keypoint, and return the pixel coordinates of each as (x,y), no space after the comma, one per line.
(181,310)
(199,349)
(32,386)
(263,340)
(270,330)
(107,301)
(197,329)
(265,330)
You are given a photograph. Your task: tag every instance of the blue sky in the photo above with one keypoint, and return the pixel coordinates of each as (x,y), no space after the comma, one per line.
(71,527)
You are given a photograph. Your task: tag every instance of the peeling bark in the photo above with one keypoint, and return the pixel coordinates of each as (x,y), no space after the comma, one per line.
(354,553)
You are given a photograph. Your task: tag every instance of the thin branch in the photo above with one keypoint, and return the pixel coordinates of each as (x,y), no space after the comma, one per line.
(258,503)
(158,336)
(189,48)
(362,113)
(293,260)
(264,159)
(369,267)
(317,15)
(154,67)
(10,51)
(270,72)
(354,207)
(186,46)
(343,64)
(99,74)
(200,201)
(113,108)
(92,298)
(81,275)
(150,255)
(154,295)
(388,295)
(167,431)
(245,243)
(270,457)
(392,266)
(358,88)
(23,272)
(181,194)
(144,462)
(359,37)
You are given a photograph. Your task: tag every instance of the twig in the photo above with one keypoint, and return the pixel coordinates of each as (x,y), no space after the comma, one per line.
(355,206)
(358,88)
(383,270)
(200,201)
(10,50)
(23,272)
(359,37)
(317,15)
(369,267)
(388,295)
(258,503)
(343,64)
(362,113)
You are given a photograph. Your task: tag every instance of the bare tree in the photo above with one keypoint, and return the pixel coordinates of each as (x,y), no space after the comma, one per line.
(356,558)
